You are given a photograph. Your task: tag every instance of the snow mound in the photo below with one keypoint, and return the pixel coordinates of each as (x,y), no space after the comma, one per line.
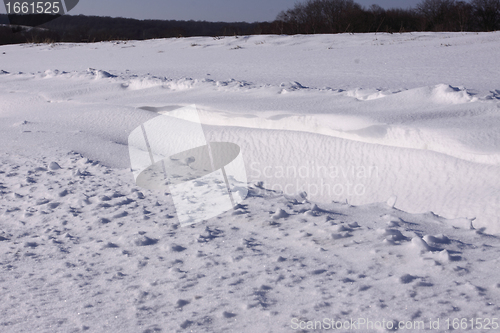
(180,85)
(49,73)
(439,94)
(366,94)
(446,94)
(291,86)
(143,83)
(100,74)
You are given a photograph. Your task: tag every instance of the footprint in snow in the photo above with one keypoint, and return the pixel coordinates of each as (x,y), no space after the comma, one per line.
(54,166)
(145,241)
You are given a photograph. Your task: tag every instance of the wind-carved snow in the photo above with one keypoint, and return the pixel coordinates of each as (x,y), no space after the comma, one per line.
(374,187)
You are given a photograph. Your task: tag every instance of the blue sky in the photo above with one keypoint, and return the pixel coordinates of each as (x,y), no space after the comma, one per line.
(209,10)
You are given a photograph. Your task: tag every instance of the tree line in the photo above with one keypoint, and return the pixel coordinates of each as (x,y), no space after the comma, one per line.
(310,17)
(80,28)
(340,16)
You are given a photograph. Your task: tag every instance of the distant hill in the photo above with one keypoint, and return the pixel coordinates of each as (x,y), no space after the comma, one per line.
(82,28)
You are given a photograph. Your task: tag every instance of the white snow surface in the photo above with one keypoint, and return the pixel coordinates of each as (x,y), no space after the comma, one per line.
(373,163)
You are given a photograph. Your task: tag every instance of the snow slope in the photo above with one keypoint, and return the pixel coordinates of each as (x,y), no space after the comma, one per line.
(329,127)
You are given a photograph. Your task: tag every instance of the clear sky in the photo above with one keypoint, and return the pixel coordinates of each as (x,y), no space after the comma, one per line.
(208,10)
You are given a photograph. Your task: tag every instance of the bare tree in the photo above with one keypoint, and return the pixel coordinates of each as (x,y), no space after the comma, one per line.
(464,15)
(338,16)
(377,16)
(437,14)
(487,13)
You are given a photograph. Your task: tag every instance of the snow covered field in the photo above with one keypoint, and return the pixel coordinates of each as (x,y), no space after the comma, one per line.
(372,160)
